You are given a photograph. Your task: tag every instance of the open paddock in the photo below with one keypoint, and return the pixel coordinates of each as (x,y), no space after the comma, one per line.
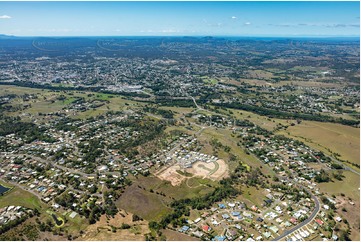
(338,138)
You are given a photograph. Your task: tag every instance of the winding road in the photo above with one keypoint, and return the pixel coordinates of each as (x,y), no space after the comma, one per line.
(305,222)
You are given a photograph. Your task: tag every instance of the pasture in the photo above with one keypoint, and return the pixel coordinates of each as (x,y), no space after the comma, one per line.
(338,138)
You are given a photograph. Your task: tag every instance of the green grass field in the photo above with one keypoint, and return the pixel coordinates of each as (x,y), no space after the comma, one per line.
(210,81)
(262,121)
(69,100)
(145,204)
(19,197)
(339,138)
(349,186)
(76,224)
(253,196)
(47,101)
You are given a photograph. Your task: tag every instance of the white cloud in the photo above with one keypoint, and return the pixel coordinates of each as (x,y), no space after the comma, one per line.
(170,31)
(354,25)
(234,17)
(147,31)
(4,17)
(247,23)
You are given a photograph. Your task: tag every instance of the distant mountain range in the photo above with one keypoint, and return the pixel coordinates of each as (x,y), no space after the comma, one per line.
(208,38)
(4,36)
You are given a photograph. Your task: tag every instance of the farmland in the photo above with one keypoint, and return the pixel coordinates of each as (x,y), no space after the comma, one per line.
(329,138)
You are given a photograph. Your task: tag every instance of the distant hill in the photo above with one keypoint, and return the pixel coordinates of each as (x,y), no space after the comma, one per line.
(4,36)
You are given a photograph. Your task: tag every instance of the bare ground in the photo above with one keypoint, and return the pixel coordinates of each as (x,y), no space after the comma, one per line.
(213,170)
(101,230)
(171,174)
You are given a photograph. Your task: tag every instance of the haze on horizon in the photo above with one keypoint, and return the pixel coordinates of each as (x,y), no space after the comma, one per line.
(338,19)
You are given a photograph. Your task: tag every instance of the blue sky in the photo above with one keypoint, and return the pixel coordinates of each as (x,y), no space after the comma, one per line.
(180,18)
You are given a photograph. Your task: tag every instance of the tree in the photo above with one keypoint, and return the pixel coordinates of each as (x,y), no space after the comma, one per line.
(136,218)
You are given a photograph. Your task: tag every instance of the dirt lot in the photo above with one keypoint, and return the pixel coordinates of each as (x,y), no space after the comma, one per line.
(213,170)
(202,169)
(171,174)
(221,172)
(102,229)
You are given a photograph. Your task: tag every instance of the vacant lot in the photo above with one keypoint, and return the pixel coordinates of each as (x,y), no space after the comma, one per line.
(172,235)
(252,196)
(176,192)
(170,174)
(260,74)
(351,213)
(220,171)
(341,139)
(102,230)
(202,169)
(213,170)
(27,199)
(349,186)
(144,203)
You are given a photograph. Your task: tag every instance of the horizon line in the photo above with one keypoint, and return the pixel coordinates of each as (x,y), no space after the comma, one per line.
(205,35)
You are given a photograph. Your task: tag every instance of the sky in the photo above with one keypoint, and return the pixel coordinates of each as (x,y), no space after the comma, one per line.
(180,18)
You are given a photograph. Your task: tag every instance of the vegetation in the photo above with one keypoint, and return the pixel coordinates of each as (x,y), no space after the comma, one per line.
(272,113)
(322,177)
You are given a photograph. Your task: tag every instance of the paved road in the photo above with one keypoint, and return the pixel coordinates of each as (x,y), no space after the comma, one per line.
(307,221)
(195,103)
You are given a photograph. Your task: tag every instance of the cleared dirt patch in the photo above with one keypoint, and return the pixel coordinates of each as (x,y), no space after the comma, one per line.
(171,174)
(201,169)
(221,172)
(212,170)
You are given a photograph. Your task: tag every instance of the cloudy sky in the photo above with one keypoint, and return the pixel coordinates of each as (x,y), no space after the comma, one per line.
(180,18)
